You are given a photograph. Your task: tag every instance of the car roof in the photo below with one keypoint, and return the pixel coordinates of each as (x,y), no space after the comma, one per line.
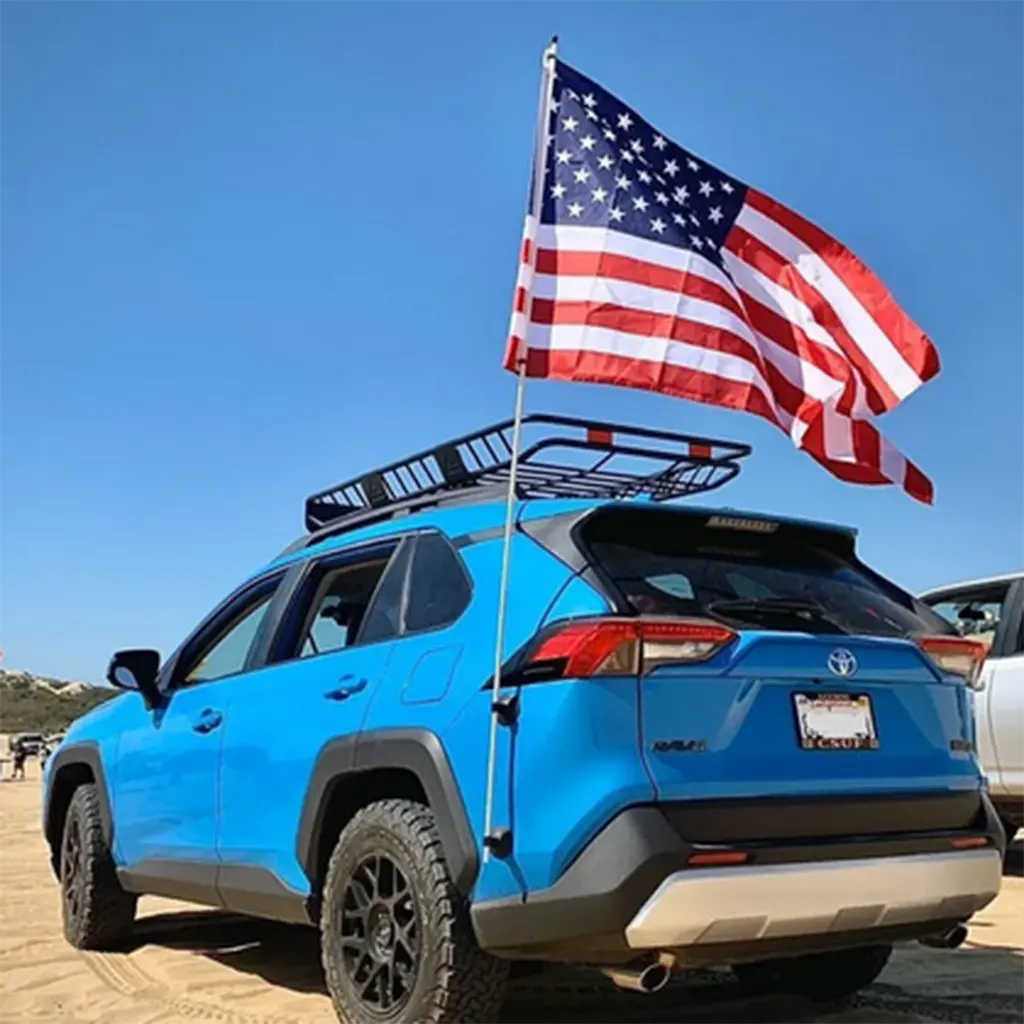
(985,581)
(485,516)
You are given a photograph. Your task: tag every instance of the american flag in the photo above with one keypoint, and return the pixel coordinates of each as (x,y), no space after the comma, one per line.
(652,269)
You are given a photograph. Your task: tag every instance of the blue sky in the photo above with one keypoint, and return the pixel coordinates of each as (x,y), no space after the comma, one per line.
(250,249)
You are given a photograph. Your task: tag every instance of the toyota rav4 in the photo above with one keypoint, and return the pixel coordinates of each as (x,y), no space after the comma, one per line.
(710,738)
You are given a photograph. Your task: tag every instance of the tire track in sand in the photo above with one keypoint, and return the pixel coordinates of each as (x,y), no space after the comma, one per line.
(126,977)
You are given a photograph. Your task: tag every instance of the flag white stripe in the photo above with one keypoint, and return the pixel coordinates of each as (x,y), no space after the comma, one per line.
(597,240)
(524,278)
(764,290)
(859,323)
(780,300)
(892,461)
(571,338)
(643,299)
(838,432)
(601,240)
(739,280)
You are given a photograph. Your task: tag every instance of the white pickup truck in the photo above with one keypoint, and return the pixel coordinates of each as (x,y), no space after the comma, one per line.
(992,610)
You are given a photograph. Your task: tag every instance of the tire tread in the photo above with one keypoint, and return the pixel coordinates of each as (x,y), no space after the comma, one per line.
(108,913)
(469,984)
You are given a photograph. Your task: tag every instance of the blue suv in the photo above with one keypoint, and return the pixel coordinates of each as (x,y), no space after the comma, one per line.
(716,738)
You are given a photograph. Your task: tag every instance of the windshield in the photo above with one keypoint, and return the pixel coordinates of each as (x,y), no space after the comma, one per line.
(675,565)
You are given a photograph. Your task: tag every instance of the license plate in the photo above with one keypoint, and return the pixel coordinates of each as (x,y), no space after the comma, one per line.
(835,721)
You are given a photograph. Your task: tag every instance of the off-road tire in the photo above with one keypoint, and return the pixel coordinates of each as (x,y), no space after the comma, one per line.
(98,914)
(1011,826)
(453,979)
(821,977)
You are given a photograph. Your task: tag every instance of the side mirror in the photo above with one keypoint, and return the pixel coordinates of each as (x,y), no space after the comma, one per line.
(136,670)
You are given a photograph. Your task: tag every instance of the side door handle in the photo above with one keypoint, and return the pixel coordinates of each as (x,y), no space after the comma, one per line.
(349,689)
(208,720)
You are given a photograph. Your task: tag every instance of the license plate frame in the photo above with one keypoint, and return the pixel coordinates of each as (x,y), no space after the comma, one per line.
(829,721)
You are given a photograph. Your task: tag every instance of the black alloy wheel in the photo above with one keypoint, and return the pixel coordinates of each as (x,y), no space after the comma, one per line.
(72,870)
(380,933)
(396,939)
(98,913)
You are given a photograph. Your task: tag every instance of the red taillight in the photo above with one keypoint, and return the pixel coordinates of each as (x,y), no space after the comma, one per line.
(599,647)
(969,842)
(708,860)
(959,655)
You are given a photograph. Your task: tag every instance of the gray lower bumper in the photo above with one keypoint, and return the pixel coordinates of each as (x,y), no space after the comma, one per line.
(776,901)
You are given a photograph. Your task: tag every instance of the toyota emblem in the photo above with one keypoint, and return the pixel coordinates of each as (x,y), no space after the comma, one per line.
(842,663)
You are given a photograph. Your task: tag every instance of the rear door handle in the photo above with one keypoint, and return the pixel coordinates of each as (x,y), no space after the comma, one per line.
(208,721)
(346,691)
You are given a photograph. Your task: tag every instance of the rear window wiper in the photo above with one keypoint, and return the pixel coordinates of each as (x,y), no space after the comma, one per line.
(773,607)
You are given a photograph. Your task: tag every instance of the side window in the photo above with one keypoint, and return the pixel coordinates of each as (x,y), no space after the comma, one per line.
(340,602)
(438,586)
(975,612)
(225,653)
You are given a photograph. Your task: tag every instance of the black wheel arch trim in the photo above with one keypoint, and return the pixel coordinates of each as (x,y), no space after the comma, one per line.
(419,751)
(87,754)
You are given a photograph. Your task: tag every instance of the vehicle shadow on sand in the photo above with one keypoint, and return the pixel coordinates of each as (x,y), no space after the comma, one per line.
(288,956)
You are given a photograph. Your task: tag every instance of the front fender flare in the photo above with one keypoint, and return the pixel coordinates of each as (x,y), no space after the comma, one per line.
(65,761)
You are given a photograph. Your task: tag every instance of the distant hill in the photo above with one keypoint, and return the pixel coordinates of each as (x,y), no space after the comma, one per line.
(31,703)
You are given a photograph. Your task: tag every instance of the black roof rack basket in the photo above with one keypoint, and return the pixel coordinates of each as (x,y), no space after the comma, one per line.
(569,458)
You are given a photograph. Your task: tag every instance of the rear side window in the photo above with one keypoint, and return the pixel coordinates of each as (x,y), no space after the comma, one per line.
(671,564)
(438,587)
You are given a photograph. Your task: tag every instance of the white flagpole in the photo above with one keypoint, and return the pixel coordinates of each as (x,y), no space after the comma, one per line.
(539,169)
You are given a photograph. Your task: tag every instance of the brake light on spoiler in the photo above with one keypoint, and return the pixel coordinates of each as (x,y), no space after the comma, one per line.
(605,647)
(956,654)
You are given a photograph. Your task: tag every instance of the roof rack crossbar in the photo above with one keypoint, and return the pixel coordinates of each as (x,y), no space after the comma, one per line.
(573,457)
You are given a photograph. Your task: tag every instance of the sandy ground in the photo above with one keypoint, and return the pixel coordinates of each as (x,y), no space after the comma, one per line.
(193,965)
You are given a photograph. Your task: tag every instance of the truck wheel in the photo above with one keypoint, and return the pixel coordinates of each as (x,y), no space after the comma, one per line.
(820,977)
(1010,827)
(98,913)
(395,934)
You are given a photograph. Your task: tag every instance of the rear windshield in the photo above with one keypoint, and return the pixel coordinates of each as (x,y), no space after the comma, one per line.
(672,564)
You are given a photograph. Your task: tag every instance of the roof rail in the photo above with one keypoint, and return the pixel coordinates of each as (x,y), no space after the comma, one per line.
(570,458)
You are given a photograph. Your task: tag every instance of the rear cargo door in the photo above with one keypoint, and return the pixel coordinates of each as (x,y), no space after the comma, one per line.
(822,689)
(771,716)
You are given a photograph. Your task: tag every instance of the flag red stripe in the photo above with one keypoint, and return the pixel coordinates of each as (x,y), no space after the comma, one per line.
(682,382)
(575,263)
(788,396)
(761,257)
(917,485)
(620,310)
(512,348)
(912,343)
(914,482)
(788,335)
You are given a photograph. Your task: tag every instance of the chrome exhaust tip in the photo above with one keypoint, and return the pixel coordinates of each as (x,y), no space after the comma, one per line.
(647,979)
(945,940)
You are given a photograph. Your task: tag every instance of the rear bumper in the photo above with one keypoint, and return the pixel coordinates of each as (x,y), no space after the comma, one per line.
(778,901)
(630,889)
